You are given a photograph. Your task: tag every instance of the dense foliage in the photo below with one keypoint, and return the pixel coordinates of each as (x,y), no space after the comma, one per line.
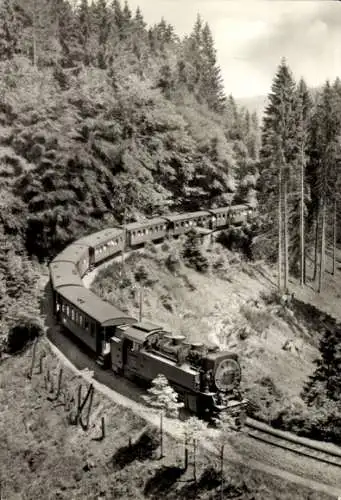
(300,171)
(19,298)
(103,118)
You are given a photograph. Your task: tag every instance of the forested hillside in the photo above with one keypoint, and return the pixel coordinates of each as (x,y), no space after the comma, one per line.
(300,175)
(103,118)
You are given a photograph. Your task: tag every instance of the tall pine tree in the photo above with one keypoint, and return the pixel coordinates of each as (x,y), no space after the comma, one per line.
(277,158)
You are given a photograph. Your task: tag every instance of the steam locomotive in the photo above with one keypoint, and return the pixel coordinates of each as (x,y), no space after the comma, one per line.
(206,378)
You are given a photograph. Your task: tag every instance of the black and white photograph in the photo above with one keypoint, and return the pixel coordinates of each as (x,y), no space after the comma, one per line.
(170,250)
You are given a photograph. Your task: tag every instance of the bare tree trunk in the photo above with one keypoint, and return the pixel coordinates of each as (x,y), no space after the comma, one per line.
(323,247)
(34,35)
(286,251)
(302,279)
(316,243)
(195,460)
(280,228)
(334,236)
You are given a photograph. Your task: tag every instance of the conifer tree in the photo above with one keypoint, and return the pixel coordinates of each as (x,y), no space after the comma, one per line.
(164,399)
(192,253)
(193,429)
(9,30)
(101,14)
(212,84)
(324,153)
(84,29)
(139,20)
(303,111)
(227,427)
(278,153)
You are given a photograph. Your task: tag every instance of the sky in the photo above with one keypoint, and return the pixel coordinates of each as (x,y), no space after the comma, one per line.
(251,37)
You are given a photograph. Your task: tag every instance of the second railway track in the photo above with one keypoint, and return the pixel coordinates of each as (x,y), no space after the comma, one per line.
(286,441)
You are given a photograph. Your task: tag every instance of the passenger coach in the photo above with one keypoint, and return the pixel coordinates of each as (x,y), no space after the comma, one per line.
(89,318)
(103,244)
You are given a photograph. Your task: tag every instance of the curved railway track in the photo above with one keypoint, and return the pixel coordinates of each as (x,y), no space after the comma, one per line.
(295,444)
(127,394)
(257,430)
(268,438)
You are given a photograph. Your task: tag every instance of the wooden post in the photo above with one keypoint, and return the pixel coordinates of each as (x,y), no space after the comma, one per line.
(103,427)
(141,303)
(59,382)
(195,460)
(222,472)
(161,434)
(186,451)
(90,394)
(79,403)
(42,356)
(33,358)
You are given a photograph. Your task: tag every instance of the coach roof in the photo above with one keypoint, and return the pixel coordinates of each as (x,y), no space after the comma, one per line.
(219,210)
(64,273)
(101,311)
(100,237)
(141,331)
(73,253)
(191,215)
(148,222)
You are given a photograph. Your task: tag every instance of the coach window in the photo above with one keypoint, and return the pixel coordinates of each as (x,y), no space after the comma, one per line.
(72,314)
(86,324)
(92,329)
(81,320)
(67,311)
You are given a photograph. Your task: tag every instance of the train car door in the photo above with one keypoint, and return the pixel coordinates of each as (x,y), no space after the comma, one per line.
(130,354)
(91,257)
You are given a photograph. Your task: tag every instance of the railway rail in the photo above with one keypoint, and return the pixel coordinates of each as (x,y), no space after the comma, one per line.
(257,430)
(75,306)
(290,442)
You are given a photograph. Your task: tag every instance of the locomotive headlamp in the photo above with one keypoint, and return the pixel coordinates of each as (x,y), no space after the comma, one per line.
(227,375)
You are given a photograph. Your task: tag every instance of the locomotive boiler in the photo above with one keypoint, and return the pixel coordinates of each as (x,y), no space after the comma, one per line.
(206,379)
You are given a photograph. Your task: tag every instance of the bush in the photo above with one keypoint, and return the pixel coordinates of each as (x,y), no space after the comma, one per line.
(259,319)
(173,263)
(193,255)
(26,330)
(238,238)
(266,400)
(141,273)
(165,247)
